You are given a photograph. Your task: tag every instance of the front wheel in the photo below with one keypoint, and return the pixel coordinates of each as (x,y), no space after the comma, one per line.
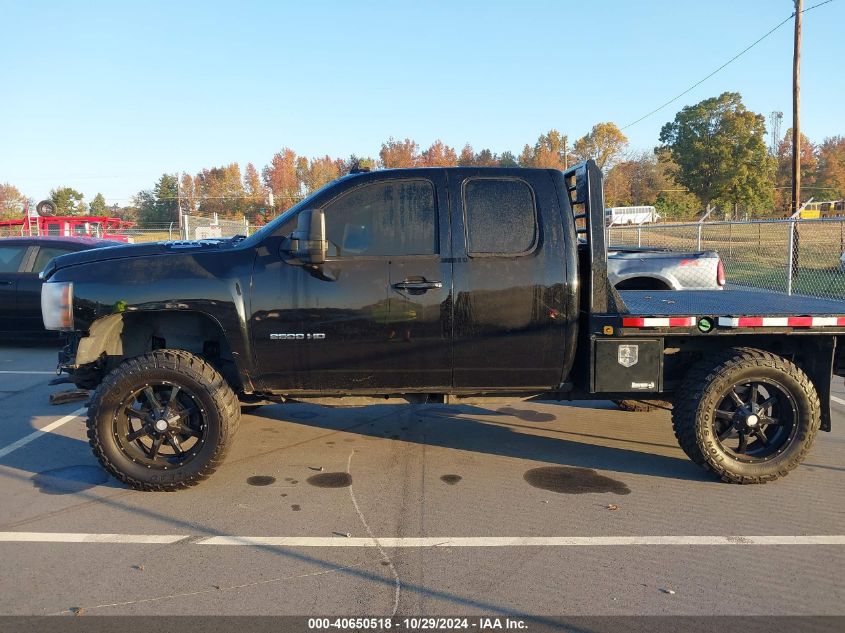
(162,421)
(747,415)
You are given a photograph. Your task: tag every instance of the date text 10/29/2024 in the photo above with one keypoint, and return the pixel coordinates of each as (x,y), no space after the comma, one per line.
(479,623)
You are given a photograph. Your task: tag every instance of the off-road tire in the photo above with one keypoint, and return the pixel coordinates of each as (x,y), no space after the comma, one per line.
(643,406)
(708,381)
(221,408)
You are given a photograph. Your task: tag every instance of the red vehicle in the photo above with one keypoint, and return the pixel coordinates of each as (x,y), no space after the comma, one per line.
(98,226)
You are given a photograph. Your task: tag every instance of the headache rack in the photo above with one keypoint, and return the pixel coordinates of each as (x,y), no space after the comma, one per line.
(586,197)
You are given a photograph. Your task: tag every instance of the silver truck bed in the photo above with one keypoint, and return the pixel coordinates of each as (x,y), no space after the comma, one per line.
(732,302)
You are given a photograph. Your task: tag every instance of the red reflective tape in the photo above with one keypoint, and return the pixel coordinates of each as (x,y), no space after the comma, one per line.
(682,322)
(802,321)
(632,322)
(840,321)
(750,322)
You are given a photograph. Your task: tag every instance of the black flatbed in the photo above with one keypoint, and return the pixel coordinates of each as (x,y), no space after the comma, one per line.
(729,302)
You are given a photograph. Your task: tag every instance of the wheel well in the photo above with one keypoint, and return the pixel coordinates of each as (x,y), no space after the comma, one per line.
(117,337)
(642,283)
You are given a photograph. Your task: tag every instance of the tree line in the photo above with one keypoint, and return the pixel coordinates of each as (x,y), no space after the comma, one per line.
(712,153)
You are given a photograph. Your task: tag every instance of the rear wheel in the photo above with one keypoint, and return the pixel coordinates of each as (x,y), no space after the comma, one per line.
(162,421)
(747,415)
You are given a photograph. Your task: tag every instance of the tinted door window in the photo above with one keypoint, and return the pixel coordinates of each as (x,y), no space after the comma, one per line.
(11,258)
(45,255)
(396,217)
(501,217)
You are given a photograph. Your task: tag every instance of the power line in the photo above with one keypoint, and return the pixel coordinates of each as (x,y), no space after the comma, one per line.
(730,61)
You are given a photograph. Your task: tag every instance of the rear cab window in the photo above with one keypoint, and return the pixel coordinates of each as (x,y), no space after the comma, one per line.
(500,216)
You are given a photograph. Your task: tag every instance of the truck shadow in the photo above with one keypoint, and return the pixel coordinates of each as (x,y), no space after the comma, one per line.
(84,473)
(462,428)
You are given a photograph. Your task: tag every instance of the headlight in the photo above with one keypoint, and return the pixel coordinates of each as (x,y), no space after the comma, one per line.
(57,305)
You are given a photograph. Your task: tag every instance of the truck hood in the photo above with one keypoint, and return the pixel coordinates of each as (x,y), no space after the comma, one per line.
(136,250)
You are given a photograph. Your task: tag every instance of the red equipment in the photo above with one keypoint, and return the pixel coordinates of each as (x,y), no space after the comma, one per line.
(100,226)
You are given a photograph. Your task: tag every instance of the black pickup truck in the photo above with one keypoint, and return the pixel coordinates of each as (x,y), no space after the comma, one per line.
(427,285)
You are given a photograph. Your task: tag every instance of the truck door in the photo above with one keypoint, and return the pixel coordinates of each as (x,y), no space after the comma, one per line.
(13,259)
(378,317)
(509,280)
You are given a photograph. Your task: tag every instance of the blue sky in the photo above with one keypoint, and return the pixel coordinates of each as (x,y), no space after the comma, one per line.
(105,96)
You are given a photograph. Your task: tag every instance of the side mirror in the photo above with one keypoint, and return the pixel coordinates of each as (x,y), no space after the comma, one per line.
(308,242)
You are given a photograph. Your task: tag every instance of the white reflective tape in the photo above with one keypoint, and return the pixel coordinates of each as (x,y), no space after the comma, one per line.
(775,321)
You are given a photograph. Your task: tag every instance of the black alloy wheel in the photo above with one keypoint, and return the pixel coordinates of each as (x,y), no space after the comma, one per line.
(161,425)
(755,420)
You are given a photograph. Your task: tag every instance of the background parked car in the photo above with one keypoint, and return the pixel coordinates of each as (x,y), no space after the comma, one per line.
(650,268)
(21,259)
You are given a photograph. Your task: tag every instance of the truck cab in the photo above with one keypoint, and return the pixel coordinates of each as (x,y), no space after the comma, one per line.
(431,279)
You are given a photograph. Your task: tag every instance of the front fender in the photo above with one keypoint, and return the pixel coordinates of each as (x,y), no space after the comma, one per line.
(120,306)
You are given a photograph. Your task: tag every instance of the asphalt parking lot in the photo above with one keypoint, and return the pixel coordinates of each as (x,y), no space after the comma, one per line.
(524,508)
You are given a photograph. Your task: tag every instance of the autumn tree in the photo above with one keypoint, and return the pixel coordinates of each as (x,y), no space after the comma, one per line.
(438,155)
(12,202)
(68,201)
(831,167)
(221,191)
(605,144)
(98,206)
(642,179)
(280,176)
(719,152)
(550,151)
(467,156)
(319,172)
(189,194)
(395,153)
(783,173)
(256,205)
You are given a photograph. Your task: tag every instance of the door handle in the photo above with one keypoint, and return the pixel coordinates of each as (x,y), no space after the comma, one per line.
(3,282)
(417,285)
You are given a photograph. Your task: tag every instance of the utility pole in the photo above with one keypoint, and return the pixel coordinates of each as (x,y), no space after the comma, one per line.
(796,110)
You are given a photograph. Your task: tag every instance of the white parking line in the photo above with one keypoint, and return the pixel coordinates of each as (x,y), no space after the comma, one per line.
(837,400)
(520,541)
(431,541)
(75,537)
(37,373)
(42,431)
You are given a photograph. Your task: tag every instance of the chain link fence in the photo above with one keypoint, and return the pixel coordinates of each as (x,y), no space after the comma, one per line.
(800,256)
(197,227)
(193,227)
